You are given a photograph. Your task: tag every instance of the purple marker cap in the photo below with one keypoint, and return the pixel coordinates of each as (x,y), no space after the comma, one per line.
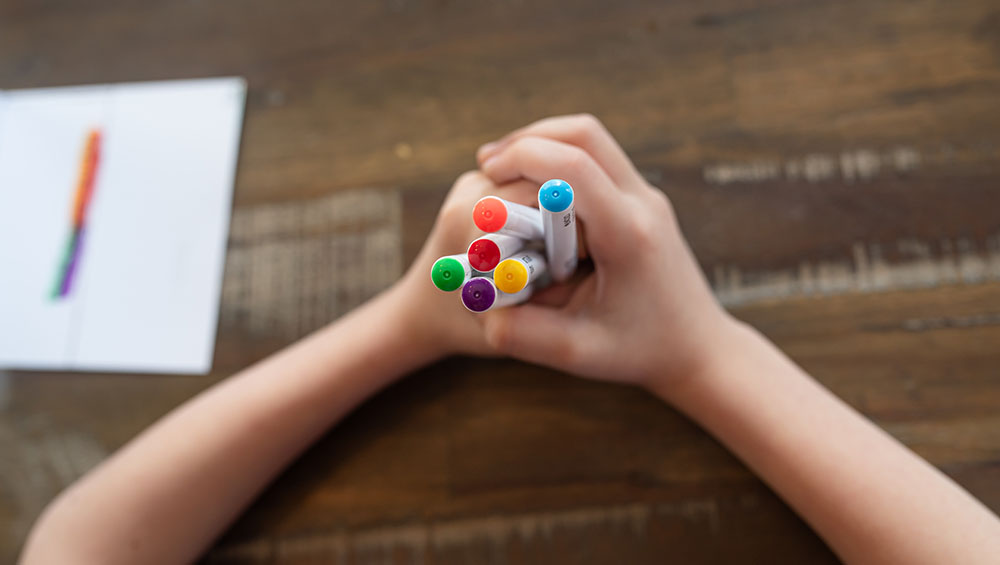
(74,259)
(479,294)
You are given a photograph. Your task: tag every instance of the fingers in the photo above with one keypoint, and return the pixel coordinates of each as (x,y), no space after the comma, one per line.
(520,191)
(598,201)
(532,333)
(560,294)
(583,131)
(473,185)
(456,211)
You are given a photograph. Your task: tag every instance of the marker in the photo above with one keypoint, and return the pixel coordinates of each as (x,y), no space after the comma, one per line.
(496,215)
(480,295)
(450,273)
(80,213)
(513,274)
(487,251)
(555,200)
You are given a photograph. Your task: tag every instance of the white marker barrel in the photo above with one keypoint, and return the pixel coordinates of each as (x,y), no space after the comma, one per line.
(496,215)
(518,271)
(555,201)
(486,252)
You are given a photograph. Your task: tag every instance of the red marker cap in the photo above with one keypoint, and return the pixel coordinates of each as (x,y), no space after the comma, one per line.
(484,255)
(489,214)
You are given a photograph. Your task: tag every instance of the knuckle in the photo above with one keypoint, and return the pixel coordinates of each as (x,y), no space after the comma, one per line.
(451,222)
(577,161)
(644,230)
(588,121)
(452,211)
(467,186)
(661,202)
(497,332)
(570,353)
(665,207)
(520,146)
(586,128)
(466,180)
(565,352)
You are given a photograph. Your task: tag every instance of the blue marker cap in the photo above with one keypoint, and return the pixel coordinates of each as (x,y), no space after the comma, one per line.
(555,195)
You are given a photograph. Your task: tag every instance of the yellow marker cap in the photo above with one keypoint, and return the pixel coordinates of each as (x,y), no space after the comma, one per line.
(510,276)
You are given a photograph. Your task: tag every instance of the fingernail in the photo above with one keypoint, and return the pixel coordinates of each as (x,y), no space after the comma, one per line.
(486,164)
(487,149)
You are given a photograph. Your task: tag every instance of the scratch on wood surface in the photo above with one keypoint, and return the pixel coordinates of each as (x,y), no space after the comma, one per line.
(851,166)
(333,548)
(866,270)
(490,535)
(498,529)
(695,511)
(976,433)
(293,267)
(958,322)
(390,544)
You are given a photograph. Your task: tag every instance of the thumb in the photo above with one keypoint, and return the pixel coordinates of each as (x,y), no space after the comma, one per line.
(534,333)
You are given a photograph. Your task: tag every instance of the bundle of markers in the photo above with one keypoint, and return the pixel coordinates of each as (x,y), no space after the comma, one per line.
(523,249)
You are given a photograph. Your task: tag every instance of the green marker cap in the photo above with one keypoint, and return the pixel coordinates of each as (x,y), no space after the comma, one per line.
(448,274)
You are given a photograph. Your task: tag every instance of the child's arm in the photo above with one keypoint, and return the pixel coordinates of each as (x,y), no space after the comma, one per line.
(646,316)
(166,495)
(872,499)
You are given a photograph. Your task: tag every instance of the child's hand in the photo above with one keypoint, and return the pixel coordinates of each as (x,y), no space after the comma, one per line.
(645,313)
(438,320)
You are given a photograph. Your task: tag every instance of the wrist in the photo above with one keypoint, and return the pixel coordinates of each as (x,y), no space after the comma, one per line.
(381,337)
(406,324)
(732,343)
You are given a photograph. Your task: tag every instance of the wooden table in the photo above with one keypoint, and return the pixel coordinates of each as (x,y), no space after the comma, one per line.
(836,166)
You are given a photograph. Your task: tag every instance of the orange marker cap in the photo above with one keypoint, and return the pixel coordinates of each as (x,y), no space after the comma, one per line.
(489,214)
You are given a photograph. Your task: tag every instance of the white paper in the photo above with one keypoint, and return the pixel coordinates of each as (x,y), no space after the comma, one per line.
(145,296)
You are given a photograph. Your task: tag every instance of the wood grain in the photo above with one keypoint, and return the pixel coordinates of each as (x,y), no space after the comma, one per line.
(834,165)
